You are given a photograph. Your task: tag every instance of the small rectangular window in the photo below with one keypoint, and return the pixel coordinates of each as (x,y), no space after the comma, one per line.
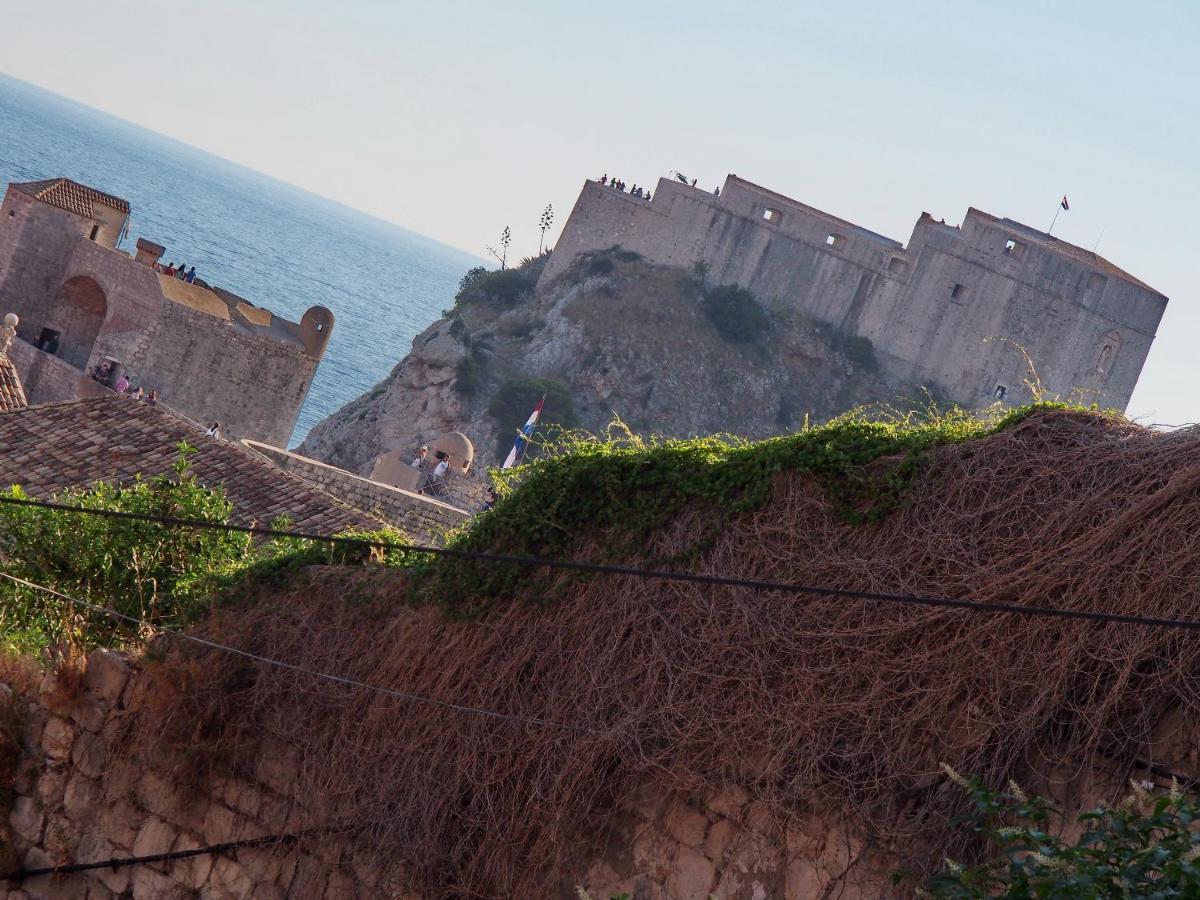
(834,240)
(1000,392)
(898,266)
(957,292)
(1011,247)
(772,215)
(95,231)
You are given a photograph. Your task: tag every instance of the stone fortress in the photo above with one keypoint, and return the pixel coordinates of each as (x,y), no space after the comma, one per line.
(210,354)
(928,308)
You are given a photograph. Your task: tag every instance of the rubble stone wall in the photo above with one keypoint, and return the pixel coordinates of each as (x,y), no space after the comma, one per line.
(86,792)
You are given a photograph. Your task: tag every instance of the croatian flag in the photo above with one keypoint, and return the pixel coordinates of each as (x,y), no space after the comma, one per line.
(518,450)
(1065,204)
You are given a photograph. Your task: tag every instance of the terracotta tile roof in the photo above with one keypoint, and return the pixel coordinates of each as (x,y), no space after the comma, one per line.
(12,393)
(49,448)
(71,196)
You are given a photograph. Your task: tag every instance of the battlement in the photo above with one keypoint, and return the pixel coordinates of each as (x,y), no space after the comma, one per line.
(947,310)
(210,354)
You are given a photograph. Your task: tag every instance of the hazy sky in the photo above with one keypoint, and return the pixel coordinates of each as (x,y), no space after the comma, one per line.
(455,119)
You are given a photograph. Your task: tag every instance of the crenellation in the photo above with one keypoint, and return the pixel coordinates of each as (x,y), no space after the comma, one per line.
(210,355)
(953,309)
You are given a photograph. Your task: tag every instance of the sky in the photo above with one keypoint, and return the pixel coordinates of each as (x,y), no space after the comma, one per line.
(457,119)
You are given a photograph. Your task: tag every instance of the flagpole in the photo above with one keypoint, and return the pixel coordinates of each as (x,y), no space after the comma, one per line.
(1057,210)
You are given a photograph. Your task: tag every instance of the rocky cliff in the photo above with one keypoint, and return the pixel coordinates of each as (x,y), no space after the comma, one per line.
(614,335)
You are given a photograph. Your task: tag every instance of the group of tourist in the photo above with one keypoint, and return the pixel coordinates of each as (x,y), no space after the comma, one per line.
(103,373)
(434,482)
(182,272)
(618,185)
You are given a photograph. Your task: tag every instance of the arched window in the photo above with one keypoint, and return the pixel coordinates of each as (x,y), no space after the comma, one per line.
(1108,352)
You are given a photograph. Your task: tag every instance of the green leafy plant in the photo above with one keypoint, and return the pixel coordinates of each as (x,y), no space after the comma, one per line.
(736,314)
(618,489)
(165,576)
(1146,846)
(516,397)
(858,349)
(505,286)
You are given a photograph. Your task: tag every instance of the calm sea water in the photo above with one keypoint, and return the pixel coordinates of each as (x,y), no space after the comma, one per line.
(274,244)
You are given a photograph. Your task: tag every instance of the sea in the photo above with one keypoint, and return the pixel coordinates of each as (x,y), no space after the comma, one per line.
(277,245)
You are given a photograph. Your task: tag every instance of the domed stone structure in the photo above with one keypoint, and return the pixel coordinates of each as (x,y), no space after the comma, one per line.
(458,447)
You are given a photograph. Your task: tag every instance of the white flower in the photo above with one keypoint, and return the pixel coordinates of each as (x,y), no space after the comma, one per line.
(1015,790)
(954,776)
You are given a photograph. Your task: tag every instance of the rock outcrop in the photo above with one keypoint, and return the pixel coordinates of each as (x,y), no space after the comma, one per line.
(624,338)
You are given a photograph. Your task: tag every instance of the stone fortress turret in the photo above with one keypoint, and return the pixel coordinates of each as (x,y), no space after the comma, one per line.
(952,310)
(86,306)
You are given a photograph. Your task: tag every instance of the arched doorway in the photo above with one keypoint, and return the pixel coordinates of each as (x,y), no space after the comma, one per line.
(78,316)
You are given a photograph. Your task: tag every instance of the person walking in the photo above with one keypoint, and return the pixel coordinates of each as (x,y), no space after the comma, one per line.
(419,460)
(122,384)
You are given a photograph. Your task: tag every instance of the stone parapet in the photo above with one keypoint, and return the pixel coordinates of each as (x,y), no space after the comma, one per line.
(424,519)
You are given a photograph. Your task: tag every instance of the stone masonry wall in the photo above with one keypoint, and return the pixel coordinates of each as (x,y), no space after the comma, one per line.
(87,792)
(422,518)
(48,379)
(933,310)
(210,370)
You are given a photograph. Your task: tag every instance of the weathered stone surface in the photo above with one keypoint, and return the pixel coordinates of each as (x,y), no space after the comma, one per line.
(719,837)
(729,801)
(90,754)
(95,849)
(221,824)
(687,824)
(82,798)
(58,736)
(155,836)
(692,875)
(27,820)
(106,675)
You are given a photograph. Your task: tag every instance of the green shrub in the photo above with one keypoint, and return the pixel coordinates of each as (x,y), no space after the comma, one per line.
(1147,846)
(600,265)
(736,314)
(858,349)
(166,576)
(625,488)
(505,286)
(470,372)
(516,398)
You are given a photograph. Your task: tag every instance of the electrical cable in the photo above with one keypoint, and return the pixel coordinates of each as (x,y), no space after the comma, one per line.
(339,679)
(652,574)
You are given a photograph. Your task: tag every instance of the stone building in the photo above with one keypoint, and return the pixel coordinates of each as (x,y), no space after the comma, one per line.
(928,308)
(83,302)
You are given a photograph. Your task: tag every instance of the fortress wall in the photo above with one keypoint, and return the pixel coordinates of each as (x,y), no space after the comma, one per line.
(787,264)
(1039,300)
(48,379)
(1059,303)
(35,240)
(422,518)
(211,371)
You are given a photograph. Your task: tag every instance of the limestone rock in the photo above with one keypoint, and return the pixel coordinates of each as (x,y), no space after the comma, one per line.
(635,343)
(106,675)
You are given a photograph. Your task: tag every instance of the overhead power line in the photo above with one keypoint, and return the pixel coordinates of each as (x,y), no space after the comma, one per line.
(786,587)
(292,667)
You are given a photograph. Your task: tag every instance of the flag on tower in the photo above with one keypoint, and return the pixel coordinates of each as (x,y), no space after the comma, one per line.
(1064,204)
(518,450)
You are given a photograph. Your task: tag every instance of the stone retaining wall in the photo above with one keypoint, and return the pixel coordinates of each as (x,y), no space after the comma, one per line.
(424,519)
(87,791)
